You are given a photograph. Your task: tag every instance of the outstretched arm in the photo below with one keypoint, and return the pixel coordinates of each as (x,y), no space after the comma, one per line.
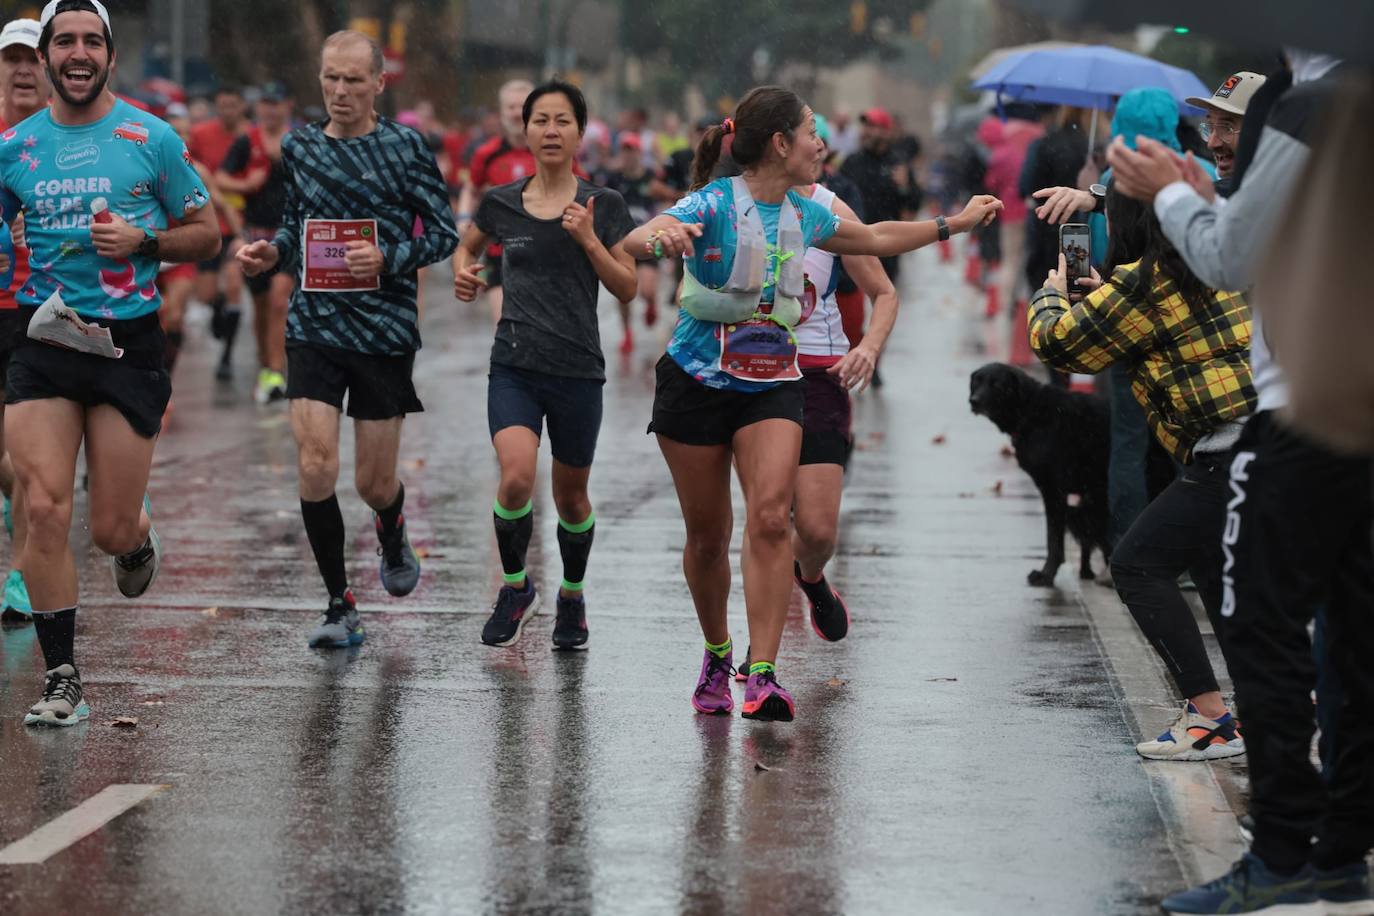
(893,237)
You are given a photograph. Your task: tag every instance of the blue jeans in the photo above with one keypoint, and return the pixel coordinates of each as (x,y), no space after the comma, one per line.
(1127,495)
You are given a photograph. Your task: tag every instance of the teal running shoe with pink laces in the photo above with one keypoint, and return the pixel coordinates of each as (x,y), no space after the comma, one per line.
(712,696)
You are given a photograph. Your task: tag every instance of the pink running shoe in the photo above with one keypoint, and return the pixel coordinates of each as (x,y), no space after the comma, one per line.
(766,700)
(712,696)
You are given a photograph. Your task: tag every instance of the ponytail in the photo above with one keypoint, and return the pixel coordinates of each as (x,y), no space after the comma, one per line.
(707,155)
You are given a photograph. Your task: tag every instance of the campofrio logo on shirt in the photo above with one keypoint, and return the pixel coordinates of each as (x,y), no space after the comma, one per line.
(76,155)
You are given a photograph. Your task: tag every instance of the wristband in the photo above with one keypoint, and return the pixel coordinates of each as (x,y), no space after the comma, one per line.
(942,228)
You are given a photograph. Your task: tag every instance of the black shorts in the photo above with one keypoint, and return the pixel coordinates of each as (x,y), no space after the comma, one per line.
(378,387)
(212,265)
(572,406)
(13,332)
(827,424)
(136,384)
(687,411)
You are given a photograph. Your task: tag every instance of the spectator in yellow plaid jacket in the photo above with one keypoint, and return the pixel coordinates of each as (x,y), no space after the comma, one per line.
(1189,351)
(1187,347)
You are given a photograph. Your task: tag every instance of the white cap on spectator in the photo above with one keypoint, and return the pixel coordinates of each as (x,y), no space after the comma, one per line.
(20,32)
(1233,96)
(75,6)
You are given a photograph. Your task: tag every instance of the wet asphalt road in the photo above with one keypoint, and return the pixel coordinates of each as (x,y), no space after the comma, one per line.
(962,752)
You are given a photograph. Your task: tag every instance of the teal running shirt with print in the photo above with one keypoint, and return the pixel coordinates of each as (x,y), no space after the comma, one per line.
(53,171)
(696,344)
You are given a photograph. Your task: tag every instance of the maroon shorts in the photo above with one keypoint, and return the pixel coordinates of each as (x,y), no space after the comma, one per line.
(827,420)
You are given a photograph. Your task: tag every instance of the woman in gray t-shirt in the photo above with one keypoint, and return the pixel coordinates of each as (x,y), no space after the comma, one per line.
(560,240)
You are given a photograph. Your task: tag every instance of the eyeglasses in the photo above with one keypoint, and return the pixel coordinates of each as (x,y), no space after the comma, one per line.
(1225,130)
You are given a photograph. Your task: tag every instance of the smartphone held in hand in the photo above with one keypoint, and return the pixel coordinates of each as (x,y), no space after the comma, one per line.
(1074,243)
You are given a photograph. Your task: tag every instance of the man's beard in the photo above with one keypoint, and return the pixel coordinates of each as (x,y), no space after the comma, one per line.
(98,80)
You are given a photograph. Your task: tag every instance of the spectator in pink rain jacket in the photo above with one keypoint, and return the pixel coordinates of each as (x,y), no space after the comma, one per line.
(1007,142)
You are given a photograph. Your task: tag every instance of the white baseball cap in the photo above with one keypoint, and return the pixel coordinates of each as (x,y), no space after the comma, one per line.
(1233,96)
(74,6)
(20,32)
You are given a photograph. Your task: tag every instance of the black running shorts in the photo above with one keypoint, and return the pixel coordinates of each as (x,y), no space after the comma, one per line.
(12,332)
(136,384)
(689,412)
(378,387)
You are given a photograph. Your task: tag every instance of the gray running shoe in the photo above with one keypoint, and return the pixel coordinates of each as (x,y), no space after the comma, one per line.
(400,567)
(62,702)
(134,572)
(341,626)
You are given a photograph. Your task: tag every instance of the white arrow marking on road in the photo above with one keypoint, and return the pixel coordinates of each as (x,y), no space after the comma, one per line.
(83,820)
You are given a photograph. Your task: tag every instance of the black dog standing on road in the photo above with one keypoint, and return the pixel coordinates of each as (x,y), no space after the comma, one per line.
(1062,441)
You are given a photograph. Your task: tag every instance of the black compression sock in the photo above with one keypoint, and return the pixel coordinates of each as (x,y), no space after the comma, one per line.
(391,517)
(324,526)
(514,527)
(56,632)
(575,544)
(172,350)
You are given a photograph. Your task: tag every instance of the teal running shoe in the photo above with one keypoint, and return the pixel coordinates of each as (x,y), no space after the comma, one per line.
(16,596)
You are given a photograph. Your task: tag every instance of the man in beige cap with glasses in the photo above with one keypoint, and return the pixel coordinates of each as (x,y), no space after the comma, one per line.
(1225,111)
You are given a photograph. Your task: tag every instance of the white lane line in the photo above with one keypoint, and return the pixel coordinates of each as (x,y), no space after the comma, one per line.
(83,820)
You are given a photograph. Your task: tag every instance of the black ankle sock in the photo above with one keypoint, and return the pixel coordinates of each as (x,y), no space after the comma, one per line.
(57,635)
(172,349)
(324,526)
(391,517)
(575,544)
(513,538)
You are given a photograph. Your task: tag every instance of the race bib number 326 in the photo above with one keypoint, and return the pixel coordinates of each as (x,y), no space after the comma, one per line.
(325,268)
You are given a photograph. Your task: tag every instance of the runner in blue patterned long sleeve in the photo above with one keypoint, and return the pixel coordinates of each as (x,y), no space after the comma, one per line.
(372,196)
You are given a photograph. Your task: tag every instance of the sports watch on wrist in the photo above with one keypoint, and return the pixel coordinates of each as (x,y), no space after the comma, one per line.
(148,247)
(942,228)
(1099,193)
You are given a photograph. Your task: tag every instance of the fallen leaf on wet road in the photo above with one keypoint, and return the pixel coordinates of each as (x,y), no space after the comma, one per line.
(758,767)
(939,440)
(211,612)
(835,682)
(942,679)
(997,488)
(124,722)
(1008,452)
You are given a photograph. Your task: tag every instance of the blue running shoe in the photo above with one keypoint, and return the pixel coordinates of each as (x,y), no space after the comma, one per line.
(341,626)
(513,609)
(1250,887)
(400,568)
(16,599)
(1345,891)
